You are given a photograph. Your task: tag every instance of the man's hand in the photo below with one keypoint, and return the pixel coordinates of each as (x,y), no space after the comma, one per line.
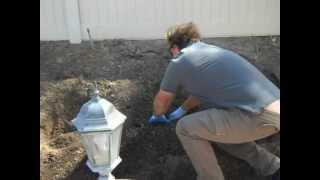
(154,120)
(177,114)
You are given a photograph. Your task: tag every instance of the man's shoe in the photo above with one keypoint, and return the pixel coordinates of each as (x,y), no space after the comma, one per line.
(276,175)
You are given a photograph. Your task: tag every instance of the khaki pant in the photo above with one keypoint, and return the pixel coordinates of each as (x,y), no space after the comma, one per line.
(234,131)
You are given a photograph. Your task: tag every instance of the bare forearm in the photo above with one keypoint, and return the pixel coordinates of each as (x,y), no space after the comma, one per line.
(161,104)
(159,107)
(190,103)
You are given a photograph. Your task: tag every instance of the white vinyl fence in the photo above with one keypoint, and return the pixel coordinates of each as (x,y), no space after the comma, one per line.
(149,19)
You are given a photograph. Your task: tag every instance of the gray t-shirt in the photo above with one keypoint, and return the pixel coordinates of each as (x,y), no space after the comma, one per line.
(219,78)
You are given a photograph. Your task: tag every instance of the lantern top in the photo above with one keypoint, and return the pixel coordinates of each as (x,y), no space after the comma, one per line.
(98,114)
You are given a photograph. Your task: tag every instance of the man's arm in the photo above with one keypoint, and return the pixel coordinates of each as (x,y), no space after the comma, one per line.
(162,102)
(190,103)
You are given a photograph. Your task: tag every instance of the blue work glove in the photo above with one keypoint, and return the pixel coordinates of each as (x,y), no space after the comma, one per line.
(158,120)
(177,114)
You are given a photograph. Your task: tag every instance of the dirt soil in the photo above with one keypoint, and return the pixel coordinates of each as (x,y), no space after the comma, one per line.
(128,74)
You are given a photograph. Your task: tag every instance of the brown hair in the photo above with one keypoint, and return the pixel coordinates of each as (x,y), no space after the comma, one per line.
(181,34)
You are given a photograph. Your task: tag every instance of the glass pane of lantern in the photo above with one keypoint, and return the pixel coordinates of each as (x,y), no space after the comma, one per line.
(97,147)
(115,142)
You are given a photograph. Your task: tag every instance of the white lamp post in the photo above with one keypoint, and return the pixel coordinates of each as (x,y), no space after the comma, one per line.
(100,126)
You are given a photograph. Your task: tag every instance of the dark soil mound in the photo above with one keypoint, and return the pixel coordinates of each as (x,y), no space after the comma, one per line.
(128,74)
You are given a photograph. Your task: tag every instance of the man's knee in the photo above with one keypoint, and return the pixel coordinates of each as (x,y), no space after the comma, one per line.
(183,125)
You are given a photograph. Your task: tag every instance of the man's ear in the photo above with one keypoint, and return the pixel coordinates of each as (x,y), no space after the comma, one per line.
(175,47)
(175,50)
